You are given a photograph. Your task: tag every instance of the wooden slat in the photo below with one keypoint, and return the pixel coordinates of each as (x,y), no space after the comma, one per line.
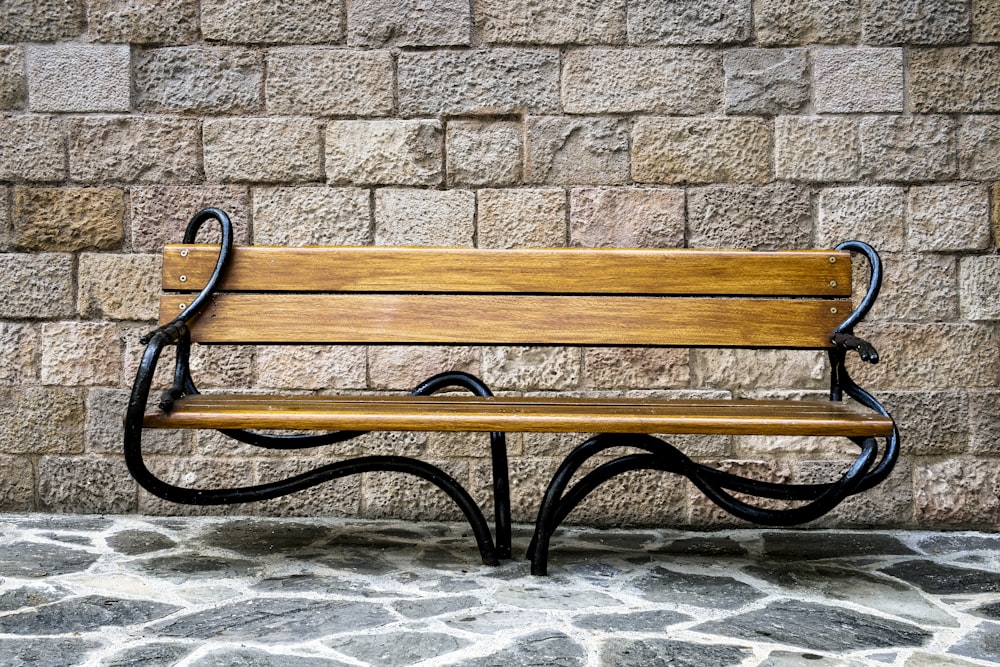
(551,415)
(540,271)
(513,320)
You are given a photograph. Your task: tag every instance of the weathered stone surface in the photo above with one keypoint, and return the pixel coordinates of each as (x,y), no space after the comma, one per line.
(85,484)
(199,80)
(545,647)
(627,368)
(985,21)
(32,148)
(384,152)
(311,367)
(160,213)
(38,285)
(67,219)
(281,22)
(19,350)
(960,79)
(13,89)
(779,22)
(482,81)
(644,651)
(533,22)
(689,22)
(379,23)
(875,215)
(151,655)
(225,366)
(330,82)
(533,218)
(627,217)
(198,473)
(311,216)
(38,420)
(934,22)
(269,150)
(424,217)
(979,148)
(531,368)
(80,354)
(982,644)
(341,497)
(916,287)
(410,498)
(949,217)
(143,22)
(956,492)
(979,279)
(574,150)
(643,621)
(778,215)
(816,149)
(720,592)
(669,81)
(403,367)
(40,20)
(862,80)
(398,648)
(701,150)
(83,614)
(915,148)
(121,287)
(17,486)
(134,149)
(939,579)
(984,421)
(35,560)
(756,369)
(483,153)
(136,542)
(766,82)
(78,77)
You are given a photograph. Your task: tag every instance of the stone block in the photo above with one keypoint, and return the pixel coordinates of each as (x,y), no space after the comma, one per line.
(985,21)
(481,81)
(984,422)
(17,484)
(860,80)
(667,81)
(934,423)
(212,80)
(748,370)
(781,22)
(689,22)
(311,367)
(267,21)
(979,148)
(956,492)
(424,217)
(33,149)
(78,77)
(81,354)
(403,367)
(523,218)
(955,80)
(766,82)
(36,285)
(41,20)
(409,498)
(20,347)
(134,150)
(979,278)
(339,497)
(887,22)
(86,485)
(384,152)
(778,215)
(522,369)
(311,216)
(330,82)
(381,23)
(485,154)
(916,287)
(876,215)
(265,150)
(13,88)
(565,150)
(909,148)
(532,22)
(105,428)
(41,420)
(949,218)
(995,214)
(704,513)
(888,504)
(816,149)
(120,287)
(143,21)
(160,213)
(627,217)
(634,367)
(226,367)
(701,150)
(200,473)
(68,219)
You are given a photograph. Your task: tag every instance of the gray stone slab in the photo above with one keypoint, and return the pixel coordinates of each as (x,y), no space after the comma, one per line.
(195,564)
(799,545)
(428,608)
(646,652)
(83,615)
(550,648)
(256,538)
(246,657)
(48,652)
(36,560)
(991,610)
(136,542)
(702,546)
(642,621)
(30,596)
(663,585)
(982,644)
(941,579)
(950,543)
(397,649)
(158,654)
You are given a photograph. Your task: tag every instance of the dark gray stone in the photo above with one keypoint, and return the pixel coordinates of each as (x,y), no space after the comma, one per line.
(49,652)
(550,648)
(624,540)
(257,538)
(950,543)
(642,621)
(30,559)
(799,545)
(76,524)
(193,564)
(325,584)
(991,610)
(69,538)
(246,657)
(663,585)
(939,579)
(83,615)
(983,643)
(149,655)
(402,648)
(435,606)
(29,597)
(358,561)
(135,542)
(702,546)
(655,652)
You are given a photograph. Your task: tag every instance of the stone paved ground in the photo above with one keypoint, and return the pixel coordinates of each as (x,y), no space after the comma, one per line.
(126,590)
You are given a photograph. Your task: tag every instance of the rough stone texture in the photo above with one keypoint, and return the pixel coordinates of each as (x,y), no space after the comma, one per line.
(80,354)
(67,219)
(876,215)
(862,80)
(105,428)
(483,153)
(778,215)
(40,20)
(41,420)
(200,473)
(329,82)
(216,80)
(272,21)
(533,218)
(531,368)
(780,22)
(424,217)
(32,148)
(340,497)
(160,213)
(627,217)
(755,369)
(17,484)
(78,77)
(689,22)
(949,218)
(960,79)
(268,150)
(984,422)
(915,148)
(624,368)
(701,150)
(13,89)
(311,367)
(389,494)
(816,149)
(534,22)
(979,279)
(937,423)
(134,149)
(121,287)
(635,653)
(957,492)
(915,22)
(311,216)
(380,23)
(19,350)
(384,152)
(766,81)
(36,285)
(668,81)
(581,151)
(919,287)
(143,21)
(985,21)
(403,367)
(979,148)
(482,81)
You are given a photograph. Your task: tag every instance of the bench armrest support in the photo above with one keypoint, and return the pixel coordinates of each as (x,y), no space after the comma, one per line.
(848,341)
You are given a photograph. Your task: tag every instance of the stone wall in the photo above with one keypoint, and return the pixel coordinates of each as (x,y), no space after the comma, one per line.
(700,123)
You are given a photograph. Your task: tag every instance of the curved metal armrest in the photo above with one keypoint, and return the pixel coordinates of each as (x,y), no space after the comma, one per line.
(848,341)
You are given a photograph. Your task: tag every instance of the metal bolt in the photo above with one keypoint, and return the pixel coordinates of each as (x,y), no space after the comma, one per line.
(833,260)
(181,306)
(833,283)
(184,279)
(833,310)
(184,253)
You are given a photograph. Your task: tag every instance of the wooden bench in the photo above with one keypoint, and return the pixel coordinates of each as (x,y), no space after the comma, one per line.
(218,294)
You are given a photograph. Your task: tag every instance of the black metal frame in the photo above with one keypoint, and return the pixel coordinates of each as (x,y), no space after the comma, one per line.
(176,333)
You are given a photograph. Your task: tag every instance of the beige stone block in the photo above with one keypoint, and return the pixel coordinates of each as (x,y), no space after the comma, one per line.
(956,492)
(916,287)
(41,20)
(134,150)
(378,23)
(17,484)
(143,21)
(311,367)
(858,80)
(78,77)
(704,513)
(120,287)
(701,150)
(340,497)
(575,22)
(532,218)
(931,423)
(666,81)
(979,279)
(198,473)
(766,82)
(955,80)
(778,215)
(391,495)
(984,422)
(282,22)
(570,150)
(86,485)
(689,22)
(876,215)
(627,217)
(208,80)
(311,216)
(36,285)
(995,215)
(929,22)
(424,217)
(949,218)
(522,369)
(486,154)
(778,22)
(41,420)
(808,148)
(635,368)
(266,150)
(228,367)
(985,21)
(695,446)
(19,351)
(467,445)
(528,480)
(747,370)
(384,152)
(104,432)
(160,213)
(915,148)
(81,354)
(13,86)
(33,149)
(979,148)
(67,219)
(888,504)
(329,82)
(403,367)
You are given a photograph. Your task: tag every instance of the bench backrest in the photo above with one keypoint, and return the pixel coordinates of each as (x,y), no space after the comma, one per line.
(574,296)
